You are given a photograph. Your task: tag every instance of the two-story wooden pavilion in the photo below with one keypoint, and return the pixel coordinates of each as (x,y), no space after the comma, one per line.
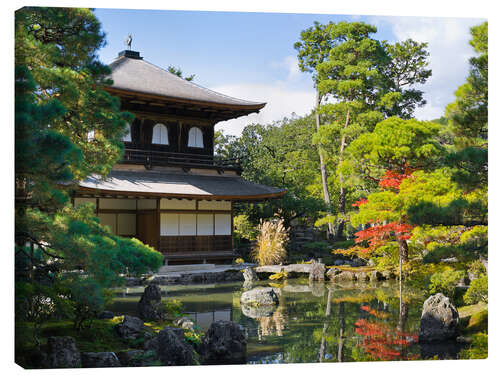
(168,190)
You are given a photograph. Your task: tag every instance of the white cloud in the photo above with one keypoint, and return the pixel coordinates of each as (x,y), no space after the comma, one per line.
(282,100)
(449,50)
(290,64)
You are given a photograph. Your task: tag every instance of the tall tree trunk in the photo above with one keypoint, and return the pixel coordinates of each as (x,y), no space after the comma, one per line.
(403,250)
(342,192)
(324,177)
(325,327)
(340,353)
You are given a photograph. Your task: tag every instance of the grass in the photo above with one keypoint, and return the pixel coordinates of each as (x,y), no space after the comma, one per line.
(469,310)
(473,318)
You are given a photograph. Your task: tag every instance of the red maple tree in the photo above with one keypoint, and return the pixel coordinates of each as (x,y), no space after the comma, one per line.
(379,233)
(381,341)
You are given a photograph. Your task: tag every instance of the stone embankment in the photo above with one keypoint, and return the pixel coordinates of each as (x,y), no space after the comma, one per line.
(224,343)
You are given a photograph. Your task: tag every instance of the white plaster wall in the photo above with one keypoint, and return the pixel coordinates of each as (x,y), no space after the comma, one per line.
(80,201)
(214,205)
(222,224)
(169,224)
(117,204)
(205,224)
(187,224)
(108,220)
(177,204)
(126,224)
(146,204)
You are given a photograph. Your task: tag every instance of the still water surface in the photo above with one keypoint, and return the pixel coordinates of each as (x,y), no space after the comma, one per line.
(313,323)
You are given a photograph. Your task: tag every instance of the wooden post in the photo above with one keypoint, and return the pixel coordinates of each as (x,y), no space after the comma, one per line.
(232,227)
(179,137)
(158,224)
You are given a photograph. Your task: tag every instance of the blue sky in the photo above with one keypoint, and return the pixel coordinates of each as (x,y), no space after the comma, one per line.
(251,55)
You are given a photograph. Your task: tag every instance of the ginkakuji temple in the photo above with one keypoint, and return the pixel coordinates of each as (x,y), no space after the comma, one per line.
(168,190)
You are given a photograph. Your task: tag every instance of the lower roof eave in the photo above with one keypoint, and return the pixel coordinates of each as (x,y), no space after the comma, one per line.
(237,198)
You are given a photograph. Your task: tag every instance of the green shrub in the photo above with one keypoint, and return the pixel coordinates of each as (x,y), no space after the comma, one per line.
(173,307)
(317,245)
(478,348)
(86,298)
(478,291)
(244,229)
(445,282)
(477,269)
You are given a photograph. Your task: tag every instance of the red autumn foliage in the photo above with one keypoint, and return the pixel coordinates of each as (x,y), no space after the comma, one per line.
(361,202)
(380,340)
(393,179)
(379,233)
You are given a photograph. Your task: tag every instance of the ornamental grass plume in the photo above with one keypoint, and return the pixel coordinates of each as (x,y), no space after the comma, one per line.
(270,244)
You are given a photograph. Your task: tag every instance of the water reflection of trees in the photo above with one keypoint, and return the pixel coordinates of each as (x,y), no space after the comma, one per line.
(310,328)
(272,325)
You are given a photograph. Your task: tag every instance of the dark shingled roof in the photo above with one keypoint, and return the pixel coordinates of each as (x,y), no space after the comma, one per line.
(179,184)
(138,75)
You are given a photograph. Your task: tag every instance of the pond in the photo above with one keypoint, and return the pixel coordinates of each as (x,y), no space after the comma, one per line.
(320,322)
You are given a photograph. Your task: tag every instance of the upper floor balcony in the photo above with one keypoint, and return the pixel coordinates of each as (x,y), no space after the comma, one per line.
(141,154)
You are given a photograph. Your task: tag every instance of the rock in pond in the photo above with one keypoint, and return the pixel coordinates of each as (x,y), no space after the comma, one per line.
(131,327)
(62,353)
(224,343)
(261,311)
(363,276)
(101,359)
(338,275)
(149,307)
(439,319)
(375,276)
(249,274)
(260,296)
(317,271)
(173,349)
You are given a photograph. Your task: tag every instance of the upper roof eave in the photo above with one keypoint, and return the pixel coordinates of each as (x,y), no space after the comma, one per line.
(140,77)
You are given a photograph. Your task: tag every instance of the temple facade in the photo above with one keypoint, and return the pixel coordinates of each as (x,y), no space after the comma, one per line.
(168,190)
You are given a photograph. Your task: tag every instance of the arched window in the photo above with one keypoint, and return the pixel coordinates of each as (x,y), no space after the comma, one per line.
(160,134)
(127,137)
(195,137)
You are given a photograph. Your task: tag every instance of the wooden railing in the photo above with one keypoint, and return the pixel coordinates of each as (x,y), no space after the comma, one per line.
(154,157)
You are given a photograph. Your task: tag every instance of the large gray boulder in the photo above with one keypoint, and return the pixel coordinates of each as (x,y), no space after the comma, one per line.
(150,307)
(317,271)
(260,296)
(258,311)
(439,319)
(249,274)
(173,349)
(131,327)
(62,353)
(101,359)
(224,343)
